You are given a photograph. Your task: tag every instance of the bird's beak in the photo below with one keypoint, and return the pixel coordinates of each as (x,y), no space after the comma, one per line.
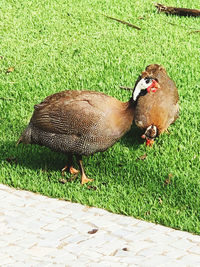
(153,87)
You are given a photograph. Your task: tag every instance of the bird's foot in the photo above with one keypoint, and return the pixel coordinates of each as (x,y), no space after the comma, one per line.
(72,170)
(85,180)
(63,170)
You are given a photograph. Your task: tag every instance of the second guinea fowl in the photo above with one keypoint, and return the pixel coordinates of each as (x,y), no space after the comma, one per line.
(82,122)
(155,112)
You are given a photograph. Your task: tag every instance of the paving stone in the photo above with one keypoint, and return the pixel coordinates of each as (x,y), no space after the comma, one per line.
(7,260)
(51,243)
(28,241)
(132,260)
(194,250)
(54,226)
(179,234)
(175,254)
(122,233)
(75,249)
(41,231)
(58,234)
(194,239)
(106,264)
(120,253)
(155,237)
(98,212)
(183,244)
(100,222)
(144,225)
(110,258)
(77,263)
(63,257)
(138,246)
(173,263)
(11,249)
(93,255)
(54,264)
(90,243)
(20,264)
(39,251)
(75,239)
(109,237)
(83,228)
(155,261)
(150,252)
(17,257)
(110,249)
(125,221)
(191,260)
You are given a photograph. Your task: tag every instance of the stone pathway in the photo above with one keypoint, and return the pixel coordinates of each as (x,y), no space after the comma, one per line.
(39,231)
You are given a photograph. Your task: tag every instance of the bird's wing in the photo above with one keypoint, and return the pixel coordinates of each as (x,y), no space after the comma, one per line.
(72,112)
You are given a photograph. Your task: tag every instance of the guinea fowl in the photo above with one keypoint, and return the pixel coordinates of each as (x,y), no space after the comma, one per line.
(81,122)
(155,112)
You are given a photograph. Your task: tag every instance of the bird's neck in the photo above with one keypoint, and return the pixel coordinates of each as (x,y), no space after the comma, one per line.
(129,109)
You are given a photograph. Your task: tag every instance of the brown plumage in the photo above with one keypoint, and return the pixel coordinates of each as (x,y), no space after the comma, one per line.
(79,123)
(155,112)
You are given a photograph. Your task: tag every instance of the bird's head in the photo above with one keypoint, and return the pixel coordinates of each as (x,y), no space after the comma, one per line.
(145,85)
(150,134)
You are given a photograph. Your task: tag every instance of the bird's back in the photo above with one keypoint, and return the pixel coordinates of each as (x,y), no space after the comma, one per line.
(79,122)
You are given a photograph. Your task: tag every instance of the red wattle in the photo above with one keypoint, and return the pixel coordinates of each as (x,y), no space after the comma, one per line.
(153,87)
(148,142)
(149,89)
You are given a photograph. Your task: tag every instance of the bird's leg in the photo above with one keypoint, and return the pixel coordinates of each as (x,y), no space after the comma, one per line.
(69,165)
(63,170)
(84,178)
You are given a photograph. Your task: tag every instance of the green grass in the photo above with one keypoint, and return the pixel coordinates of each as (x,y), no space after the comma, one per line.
(58,45)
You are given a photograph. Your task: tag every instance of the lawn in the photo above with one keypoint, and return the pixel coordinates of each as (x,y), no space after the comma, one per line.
(49,46)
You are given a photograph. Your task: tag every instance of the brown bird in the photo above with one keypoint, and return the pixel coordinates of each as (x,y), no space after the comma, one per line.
(155,112)
(81,122)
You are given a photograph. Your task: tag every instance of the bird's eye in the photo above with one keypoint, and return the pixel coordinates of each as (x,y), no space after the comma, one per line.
(147,80)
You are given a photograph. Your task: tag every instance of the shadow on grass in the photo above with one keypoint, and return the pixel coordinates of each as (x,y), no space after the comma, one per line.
(32,156)
(132,138)
(36,157)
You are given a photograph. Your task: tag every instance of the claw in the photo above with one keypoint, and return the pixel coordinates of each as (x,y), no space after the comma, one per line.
(72,170)
(85,180)
(63,170)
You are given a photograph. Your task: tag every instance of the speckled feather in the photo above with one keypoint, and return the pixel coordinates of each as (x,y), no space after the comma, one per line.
(78,122)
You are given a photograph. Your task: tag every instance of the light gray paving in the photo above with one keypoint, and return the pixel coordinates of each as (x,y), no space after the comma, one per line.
(39,231)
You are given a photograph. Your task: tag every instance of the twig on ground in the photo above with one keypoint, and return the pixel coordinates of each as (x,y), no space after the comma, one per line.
(177,10)
(195,31)
(126,88)
(123,22)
